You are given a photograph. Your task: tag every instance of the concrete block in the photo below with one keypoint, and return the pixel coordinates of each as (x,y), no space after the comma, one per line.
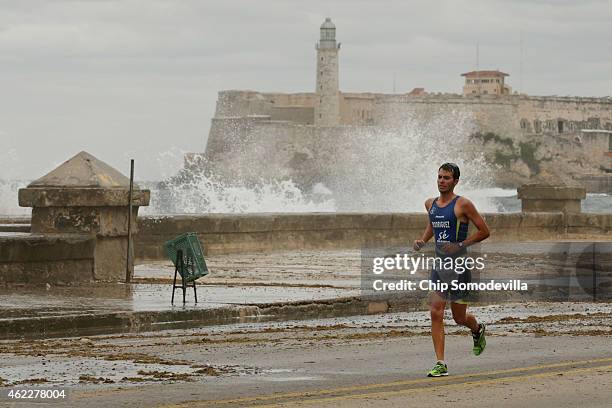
(110,259)
(228,233)
(12,272)
(506,221)
(86,196)
(23,248)
(547,198)
(65,220)
(70,272)
(114,221)
(548,205)
(545,220)
(35,273)
(80,197)
(408,221)
(547,192)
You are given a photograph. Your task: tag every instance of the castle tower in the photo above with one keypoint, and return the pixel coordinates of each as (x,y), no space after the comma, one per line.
(327,104)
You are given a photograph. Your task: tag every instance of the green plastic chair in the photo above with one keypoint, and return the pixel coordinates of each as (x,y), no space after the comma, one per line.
(185,252)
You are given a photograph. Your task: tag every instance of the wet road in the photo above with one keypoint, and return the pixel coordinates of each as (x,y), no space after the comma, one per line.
(537,354)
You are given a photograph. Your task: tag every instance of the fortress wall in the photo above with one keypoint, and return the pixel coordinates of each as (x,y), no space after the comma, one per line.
(297,99)
(488,114)
(503,114)
(594,143)
(335,157)
(241,103)
(227,133)
(279,149)
(297,114)
(498,116)
(234,103)
(356,109)
(255,149)
(577,113)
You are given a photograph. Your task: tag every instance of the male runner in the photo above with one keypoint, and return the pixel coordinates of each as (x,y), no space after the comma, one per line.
(449,215)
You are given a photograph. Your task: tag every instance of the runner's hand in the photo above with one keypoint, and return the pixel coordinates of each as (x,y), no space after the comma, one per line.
(418,244)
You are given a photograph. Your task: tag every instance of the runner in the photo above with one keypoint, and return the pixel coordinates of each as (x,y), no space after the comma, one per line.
(449,216)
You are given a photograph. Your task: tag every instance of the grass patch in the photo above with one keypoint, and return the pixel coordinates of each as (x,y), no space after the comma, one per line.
(503,159)
(493,137)
(528,156)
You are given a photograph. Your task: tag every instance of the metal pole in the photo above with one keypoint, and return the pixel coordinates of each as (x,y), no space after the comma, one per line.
(594,274)
(128,269)
(478,65)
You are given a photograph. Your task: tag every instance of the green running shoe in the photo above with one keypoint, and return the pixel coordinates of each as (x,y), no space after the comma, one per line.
(479,340)
(438,370)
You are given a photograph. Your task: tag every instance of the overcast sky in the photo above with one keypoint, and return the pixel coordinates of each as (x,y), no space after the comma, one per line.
(139,79)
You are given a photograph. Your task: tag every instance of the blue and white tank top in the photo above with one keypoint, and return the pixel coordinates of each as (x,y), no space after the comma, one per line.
(446,226)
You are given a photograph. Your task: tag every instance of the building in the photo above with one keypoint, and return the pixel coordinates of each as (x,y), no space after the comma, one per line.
(312,137)
(485,83)
(327,102)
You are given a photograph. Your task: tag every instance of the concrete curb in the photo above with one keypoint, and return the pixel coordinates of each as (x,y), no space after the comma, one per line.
(134,322)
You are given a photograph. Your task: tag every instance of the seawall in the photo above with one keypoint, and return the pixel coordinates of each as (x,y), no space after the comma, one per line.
(236,233)
(244,233)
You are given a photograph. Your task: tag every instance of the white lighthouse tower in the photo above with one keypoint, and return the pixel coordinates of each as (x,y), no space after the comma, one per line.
(327,104)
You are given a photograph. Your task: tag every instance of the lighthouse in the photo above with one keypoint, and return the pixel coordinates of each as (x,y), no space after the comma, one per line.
(327,104)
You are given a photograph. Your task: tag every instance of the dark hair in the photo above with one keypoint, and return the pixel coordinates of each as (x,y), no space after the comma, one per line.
(452,167)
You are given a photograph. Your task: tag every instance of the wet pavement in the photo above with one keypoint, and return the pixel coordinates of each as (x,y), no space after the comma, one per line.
(566,268)
(237,361)
(338,269)
(23,303)
(234,362)
(343,268)
(301,276)
(241,282)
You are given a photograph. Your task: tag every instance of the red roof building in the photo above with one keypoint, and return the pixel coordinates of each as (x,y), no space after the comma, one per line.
(485,83)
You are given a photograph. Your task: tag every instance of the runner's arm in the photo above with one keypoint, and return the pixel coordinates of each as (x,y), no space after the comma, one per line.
(473,215)
(428,233)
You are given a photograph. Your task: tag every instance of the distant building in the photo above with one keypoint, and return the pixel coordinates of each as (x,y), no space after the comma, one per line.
(327,102)
(417,92)
(485,83)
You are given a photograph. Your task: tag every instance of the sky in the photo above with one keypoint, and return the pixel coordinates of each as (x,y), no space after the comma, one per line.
(139,79)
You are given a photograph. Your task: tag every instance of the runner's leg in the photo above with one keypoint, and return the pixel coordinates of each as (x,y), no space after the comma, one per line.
(463,318)
(436,310)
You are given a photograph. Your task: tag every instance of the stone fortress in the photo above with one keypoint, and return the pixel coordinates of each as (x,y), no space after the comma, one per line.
(305,136)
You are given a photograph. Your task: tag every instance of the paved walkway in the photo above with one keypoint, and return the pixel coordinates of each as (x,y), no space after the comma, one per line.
(295,276)
(540,354)
(234,280)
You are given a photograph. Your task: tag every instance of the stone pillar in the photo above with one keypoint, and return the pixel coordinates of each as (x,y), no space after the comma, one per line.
(87,196)
(549,198)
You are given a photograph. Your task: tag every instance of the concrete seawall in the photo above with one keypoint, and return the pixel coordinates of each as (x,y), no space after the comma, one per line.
(241,233)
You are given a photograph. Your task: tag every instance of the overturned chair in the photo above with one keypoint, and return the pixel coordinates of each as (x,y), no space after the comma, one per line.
(185,252)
